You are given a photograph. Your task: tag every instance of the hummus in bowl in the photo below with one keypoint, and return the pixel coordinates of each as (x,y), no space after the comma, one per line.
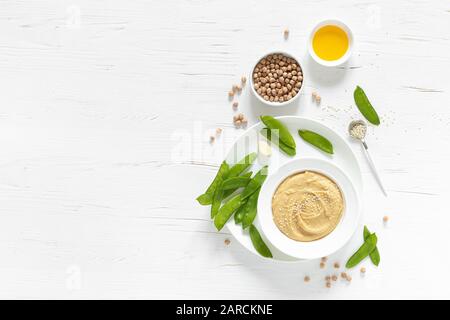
(308,208)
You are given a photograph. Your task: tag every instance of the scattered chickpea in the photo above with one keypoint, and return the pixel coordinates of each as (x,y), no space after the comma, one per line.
(363,270)
(344,275)
(327,278)
(322,265)
(227,242)
(328,284)
(385,219)
(231,94)
(324,259)
(316,97)
(218,131)
(235,105)
(349,278)
(307,279)
(211,139)
(334,277)
(337,265)
(286,33)
(239,120)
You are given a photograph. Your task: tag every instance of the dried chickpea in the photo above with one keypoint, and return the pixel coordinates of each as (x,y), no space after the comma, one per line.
(279,75)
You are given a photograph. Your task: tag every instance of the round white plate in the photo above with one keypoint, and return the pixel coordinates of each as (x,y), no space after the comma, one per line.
(322,247)
(248,142)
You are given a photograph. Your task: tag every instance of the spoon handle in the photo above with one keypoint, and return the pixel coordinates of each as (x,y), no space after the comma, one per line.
(373,168)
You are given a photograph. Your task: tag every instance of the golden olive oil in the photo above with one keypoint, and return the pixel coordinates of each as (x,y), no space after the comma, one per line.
(330,43)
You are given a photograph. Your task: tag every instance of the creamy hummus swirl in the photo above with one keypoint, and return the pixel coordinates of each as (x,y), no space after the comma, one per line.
(307,206)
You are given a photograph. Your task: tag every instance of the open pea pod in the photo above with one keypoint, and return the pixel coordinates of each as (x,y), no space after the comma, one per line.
(207,197)
(226,211)
(279,129)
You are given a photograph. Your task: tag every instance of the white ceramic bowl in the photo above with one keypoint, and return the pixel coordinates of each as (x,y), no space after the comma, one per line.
(345,57)
(321,247)
(277,104)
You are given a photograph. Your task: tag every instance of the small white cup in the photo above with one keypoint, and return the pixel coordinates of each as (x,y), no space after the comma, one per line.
(345,57)
(277,104)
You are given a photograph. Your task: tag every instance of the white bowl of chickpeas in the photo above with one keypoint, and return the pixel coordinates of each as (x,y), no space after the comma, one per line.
(277,79)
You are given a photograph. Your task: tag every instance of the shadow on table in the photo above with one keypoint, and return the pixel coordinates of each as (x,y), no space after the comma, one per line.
(288,277)
(325,76)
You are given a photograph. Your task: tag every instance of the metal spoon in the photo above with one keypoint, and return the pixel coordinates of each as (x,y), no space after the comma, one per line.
(360,134)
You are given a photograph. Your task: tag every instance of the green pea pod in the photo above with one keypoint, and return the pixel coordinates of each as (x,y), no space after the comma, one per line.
(365,107)
(228,193)
(226,211)
(239,214)
(316,140)
(363,251)
(242,165)
(375,254)
(217,200)
(279,129)
(268,135)
(258,242)
(251,210)
(235,183)
(255,183)
(207,197)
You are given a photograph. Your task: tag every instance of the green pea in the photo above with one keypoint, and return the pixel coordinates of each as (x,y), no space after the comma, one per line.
(316,140)
(242,165)
(250,210)
(259,243)
(279,129)
(207,197)
(375,254)
(255,183)
(366,248)
(226,211)
(268,135)
(235,183)
(365,107)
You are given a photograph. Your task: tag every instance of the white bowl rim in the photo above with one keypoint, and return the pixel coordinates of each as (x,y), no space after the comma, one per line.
(277,104)
(334,240)
(345,28)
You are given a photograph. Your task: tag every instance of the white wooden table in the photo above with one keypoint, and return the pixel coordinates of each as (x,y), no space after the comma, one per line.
(99,100)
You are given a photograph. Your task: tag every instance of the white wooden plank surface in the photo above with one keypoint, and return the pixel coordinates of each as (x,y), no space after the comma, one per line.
(97,193)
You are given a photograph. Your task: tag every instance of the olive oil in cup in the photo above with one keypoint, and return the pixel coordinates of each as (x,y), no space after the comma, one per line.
(330,43)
